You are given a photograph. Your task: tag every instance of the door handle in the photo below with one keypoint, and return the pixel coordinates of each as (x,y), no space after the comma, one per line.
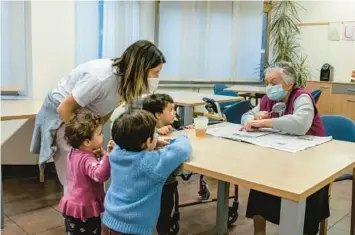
(325,87)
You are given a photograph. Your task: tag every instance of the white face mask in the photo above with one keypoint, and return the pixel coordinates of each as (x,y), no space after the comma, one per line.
(153,84)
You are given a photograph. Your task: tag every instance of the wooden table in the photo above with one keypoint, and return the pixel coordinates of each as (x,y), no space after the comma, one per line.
(188,100)
(293,177)
(19,109)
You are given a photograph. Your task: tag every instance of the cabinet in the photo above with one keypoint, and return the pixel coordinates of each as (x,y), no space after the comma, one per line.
(323,103)
(336,98)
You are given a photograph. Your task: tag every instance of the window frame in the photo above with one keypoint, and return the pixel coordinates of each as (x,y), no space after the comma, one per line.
(266,9)
(25,91)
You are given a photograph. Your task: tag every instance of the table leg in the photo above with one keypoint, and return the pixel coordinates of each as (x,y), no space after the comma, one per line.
(292,217)
(222,208)
(187,114)
(352,224)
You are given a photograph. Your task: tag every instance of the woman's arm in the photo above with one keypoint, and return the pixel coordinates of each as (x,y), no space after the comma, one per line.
(297,123)
(248,116)
(300,121)
(67,107)
(85,91)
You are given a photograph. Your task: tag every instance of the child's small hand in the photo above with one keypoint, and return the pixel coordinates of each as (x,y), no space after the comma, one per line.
(189,127)
(99,152)
(110,145)
(165,130)
(162,142)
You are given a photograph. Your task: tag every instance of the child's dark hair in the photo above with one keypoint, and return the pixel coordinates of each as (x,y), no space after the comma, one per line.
(132,129)
(81,126)
(156,103)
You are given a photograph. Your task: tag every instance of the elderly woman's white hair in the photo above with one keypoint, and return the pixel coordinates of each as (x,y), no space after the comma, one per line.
(287,71)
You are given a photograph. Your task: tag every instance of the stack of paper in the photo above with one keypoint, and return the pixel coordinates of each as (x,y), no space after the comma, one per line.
(267,138)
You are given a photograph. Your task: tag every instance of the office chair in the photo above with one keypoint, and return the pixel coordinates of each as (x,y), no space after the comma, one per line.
(340,128)
(316,94)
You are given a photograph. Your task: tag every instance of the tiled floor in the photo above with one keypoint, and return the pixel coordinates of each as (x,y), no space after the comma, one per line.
(30,208)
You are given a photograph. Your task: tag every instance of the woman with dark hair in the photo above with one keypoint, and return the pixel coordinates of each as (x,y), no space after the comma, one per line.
(98,85)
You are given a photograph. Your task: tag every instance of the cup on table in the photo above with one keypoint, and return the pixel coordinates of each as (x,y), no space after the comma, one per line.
(201,124)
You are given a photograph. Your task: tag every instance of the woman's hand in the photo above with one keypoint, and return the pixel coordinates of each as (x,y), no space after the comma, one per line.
(261,115)
(110,145)
(254,125)
(165,130)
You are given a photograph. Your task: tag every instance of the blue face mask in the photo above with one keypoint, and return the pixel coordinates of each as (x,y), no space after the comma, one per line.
(275,93)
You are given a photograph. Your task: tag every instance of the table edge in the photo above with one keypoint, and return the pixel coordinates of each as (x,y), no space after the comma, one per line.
(203,103)
(268,189)
(18,117)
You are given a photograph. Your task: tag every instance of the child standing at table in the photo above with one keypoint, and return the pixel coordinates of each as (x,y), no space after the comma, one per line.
(163,108)
(83,201)
(132,203)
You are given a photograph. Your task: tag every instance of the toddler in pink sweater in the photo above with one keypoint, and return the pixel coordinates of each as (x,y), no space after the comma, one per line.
(82,203)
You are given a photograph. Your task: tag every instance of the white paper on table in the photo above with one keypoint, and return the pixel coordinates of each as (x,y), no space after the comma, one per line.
(268,138)
(289,143)
(232,131)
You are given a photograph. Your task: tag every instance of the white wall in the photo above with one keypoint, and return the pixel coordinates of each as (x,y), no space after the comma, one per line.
(53,40)
(53,56)
(314,39)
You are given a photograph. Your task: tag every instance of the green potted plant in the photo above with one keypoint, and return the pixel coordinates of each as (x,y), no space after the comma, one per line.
(284,37)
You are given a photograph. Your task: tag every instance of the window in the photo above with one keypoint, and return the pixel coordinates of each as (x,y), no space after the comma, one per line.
(211,40)
(120,22)
(15,47)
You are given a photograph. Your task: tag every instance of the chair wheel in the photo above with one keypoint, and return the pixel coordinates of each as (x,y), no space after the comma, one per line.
(204,192)
(233,214)
(174,228)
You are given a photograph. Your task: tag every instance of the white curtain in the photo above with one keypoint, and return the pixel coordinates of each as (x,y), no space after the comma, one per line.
(86,30)
(211,40)
(15,46)
(124,22)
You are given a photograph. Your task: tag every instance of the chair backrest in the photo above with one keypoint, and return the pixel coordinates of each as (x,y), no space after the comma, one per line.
(340,127)
(235,112)
(316,94)
(227,93)
(219,87)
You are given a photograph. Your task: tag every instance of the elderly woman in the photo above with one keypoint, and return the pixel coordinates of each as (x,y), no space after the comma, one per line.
(299,117)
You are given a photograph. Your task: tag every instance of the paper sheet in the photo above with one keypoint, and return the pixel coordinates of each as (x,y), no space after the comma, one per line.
(268,138)
(230,130)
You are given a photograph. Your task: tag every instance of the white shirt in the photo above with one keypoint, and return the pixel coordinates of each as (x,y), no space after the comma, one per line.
(93,85)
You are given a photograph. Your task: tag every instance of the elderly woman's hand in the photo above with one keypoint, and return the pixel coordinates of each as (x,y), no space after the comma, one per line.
(261,115)
(254,125)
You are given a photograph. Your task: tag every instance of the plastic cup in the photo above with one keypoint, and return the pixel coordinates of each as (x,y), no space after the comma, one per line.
(201,124)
